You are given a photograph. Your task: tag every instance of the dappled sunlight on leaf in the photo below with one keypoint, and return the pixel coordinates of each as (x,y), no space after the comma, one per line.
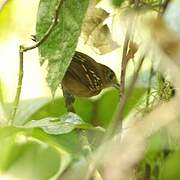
(62,125)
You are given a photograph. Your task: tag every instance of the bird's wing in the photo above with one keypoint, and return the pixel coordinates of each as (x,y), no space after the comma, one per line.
(88,67)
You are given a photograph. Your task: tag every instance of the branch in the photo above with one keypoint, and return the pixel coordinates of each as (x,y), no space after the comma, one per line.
(119,117)
(119,114)
(149,86)
(124,64)
(163,7)
(19,87)
(51,27)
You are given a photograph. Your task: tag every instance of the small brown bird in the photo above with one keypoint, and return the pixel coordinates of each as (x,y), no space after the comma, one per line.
(85,77)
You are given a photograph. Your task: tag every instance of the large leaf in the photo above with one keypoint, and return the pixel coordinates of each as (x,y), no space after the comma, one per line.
(28,107)
(62,125)
(57,108)
(25,157)
(60,46)
(106,105)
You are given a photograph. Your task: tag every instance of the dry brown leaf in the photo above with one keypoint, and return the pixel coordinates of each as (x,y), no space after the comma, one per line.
(95,33)
(101,40)
(94,17)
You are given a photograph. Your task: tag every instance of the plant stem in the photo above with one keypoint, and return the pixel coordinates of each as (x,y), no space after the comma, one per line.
(23,49)
(124,64)
(163,7)
(116,124)
(19,87)
(51,27)
(149,86)
(125,59)
(147,175)
(127,95)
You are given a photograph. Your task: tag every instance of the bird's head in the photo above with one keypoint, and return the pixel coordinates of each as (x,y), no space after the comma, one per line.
(109,77)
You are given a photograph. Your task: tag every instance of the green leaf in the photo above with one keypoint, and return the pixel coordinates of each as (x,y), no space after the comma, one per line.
(133,101)
(155,149)
(60,45)
(106,107)
(66,142)
(25,157)
(57,108)
(85,113)
(107,104)
(170,170)
(53,108)
(28,107)
(62,125)
(117,3)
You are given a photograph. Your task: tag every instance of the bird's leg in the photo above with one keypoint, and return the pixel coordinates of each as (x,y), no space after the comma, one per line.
(69,100)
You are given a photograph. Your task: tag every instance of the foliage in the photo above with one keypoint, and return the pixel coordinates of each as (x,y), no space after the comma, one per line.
(47,142)
(117,3)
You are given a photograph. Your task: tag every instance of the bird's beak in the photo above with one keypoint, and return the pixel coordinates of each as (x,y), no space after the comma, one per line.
(117,86)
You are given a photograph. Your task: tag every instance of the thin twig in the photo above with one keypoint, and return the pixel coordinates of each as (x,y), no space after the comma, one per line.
(147,175)
(124,64)
(23,49)
(149,86)
(19,87)
(116,124)
(126,56)
(120,114)
(163,7)
(48,32)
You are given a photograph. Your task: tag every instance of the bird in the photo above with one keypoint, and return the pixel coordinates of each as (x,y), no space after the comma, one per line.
(86,78)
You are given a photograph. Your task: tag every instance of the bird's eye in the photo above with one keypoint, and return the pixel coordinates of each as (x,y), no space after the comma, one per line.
(111,76)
